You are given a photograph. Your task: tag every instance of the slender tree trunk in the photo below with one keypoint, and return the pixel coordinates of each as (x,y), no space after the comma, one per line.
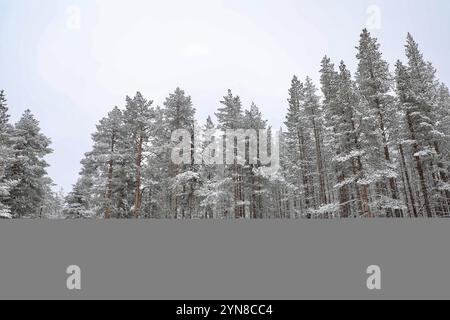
(361,201)
(236,195)
(110,181)
(137,199)
(405,192)
(344,197)
(306,182)
(109,190)
(408,181)
(419,168)
(120,201)
(364,194)
(319,165)
(387,157)
(423,185)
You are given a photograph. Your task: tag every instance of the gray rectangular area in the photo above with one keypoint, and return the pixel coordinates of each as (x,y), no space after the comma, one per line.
(225,260)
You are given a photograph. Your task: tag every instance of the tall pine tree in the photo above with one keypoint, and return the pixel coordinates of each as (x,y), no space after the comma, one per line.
(138,117)
(378,110)
(5,157)
(29,168)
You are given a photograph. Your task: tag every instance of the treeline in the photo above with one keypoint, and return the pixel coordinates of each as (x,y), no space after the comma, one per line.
(375,144)
(25,188)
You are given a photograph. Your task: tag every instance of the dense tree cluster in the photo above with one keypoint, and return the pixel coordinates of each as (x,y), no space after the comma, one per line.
(375,144)
(25,188)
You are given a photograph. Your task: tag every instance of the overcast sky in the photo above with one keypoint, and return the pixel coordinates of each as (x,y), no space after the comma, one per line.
(70,62)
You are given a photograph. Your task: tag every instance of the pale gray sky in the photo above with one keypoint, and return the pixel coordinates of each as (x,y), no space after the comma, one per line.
(72,61)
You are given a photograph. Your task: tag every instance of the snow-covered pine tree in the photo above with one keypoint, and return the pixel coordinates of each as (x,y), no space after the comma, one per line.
(417,88)
(443,122)
(298,142)
(230,114)
(400,139)
(29,168)
(312,113)
(329,81)
(349,130)
(107,154)
(5,157)
(254,183)
(230,117)
(443,141)
(209,193)
(179,114)
(217,184)
(344,123)
(53,207)
(375,85)
(78,203)
(407,106)
(157,179)
(139,118)
(285,180)
(343,126)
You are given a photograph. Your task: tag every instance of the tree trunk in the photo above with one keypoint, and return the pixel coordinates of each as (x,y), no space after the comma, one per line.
(319,165)
(137,198)
(419,168)
(408,181)
(306,184)
(387,157)
(110,182)
(109,190)
(364,195)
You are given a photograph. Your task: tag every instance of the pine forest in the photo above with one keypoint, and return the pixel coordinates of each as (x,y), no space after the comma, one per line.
(373,144)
